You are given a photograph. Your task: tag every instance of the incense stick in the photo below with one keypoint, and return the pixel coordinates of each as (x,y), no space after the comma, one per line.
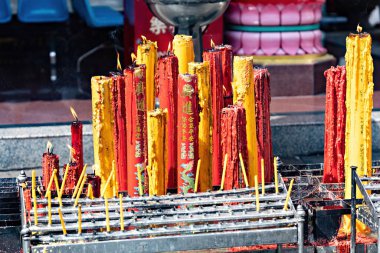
(243,169)
(62,221)
(49,208)
(121,212)
(262,177)
(257,194)
(64,179)
(197,176)
(79,181)
(79,219)
(50,182)
(275,174)
(108,181)
(80,190)
(224,172)
(139,170)
(34,195)
(288,195)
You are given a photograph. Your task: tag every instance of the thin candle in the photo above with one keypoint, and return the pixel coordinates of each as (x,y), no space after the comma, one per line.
(64,179)
(288,195)
(57,187)
(275,174)
(243,169)
(114,190)
(79,181)
(108,181)
(50,182)
(80,190)
(257,193)
(197,176)
(79,219)
(90,192)
(224,172)
(107,215)
(139,171)
(121,212)
(62,221)
(49,207)
(34,195)
(262,178)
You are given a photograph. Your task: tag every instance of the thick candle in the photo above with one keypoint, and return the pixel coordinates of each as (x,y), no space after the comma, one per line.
(216,77)
(244,91)
(335,125)
(359,105)
(234,142)
(263,130)
(147,54)
(136,125)
(202,70)
(227,57)
(119,131)
(157,153)
(187,145)
(102,128)
(77,139)
(167,91)
(72,176)
(183,48)
(50,162)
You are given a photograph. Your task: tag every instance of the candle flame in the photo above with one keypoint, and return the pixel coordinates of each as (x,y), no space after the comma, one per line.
(134,57)
(359,29)
(49,147)
(74,113)
(212,44)
(169,47)
(118,66)
(143,39)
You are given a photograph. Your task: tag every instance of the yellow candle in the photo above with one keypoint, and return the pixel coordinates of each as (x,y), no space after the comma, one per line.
(64,180)
(202,70)
(275,175)
(114,187)
(110,177)
(288,195)
(197,176)
(49,207)
(58,192)
(244,92)
(121,212)
(80,190)
(257,193)
(243,169)
(183,48)
(51,182)
(108,227)
(34,195)
(90,192)
(139,171)
(262,178)
(79,181)
(62,221)
(359,103)
(224,172)
(79,219)
(157,152)
(147,54)
(102,130)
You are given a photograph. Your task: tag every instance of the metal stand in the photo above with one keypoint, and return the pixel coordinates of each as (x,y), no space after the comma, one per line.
(21,180)
(353,209)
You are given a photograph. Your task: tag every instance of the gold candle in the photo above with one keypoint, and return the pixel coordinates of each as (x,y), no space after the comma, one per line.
(262,178)
(243,169)
(156,151)
(183,48)
(288,195)
(202,70)
(275,174)
(359,104)
(34,195)
(244,92)
(147,55)
(102,128)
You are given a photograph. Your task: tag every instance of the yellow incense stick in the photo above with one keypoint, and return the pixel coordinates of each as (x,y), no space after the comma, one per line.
(79,181)
(57,187)
(80,190)
(108,181)
(288,195)
(114,179)
(139,170)
(90,192)
(50,182)
(107,215)
(34,195)
(257,194)
(49,208)
(121,212)
(197,176)
(262,178)
(243,169)
(62,221)
(64,180)
(224,172)
(79,219)
(275,174)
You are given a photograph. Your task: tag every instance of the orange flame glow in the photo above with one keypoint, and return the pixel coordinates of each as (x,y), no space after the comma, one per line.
(49,147)
(169,47)
(133,56)
(119,68)
(74,113)
(359,29)
(212,44)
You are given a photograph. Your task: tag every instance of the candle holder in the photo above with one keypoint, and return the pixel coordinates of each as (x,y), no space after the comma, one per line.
(188,16)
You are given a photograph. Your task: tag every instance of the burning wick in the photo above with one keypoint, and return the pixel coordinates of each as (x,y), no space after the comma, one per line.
(359,29)
(143,39)
(133,57)
(49,148)
(118,66)
(74,114)
(212,44)
(169,48)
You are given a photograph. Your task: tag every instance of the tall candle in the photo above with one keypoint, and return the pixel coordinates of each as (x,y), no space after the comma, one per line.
(147,55)
(77,139)
(157,152)
(187,145)
(335,125)
(136,125)
(234,142)
(264,135)
(214,56)
(102,129)
(183,48)
(202,70)
(359,104)
(167,92)
(50,161)
(119,131)
(227,57)
(244,91)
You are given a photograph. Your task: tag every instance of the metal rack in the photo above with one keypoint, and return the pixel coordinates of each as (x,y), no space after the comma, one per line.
(197,221)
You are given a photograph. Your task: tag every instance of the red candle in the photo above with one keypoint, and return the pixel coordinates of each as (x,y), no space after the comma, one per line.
(187,132)
(166,91)
(77,139)
(214,56)
(50,162)
(136,127)
(72,176)
(335,125)
(263,130)
(119,131)
(227,57)
(234,142)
